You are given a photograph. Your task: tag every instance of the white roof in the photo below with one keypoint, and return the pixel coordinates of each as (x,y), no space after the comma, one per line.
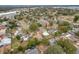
(16,33)
(5,41)
(45,33)
(32,51)
(68,35)
(1,43)
(25,38)
(4,23)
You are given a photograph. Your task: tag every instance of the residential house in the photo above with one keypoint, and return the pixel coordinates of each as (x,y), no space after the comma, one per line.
(25,37)
(70,36)
(45,33)
(4,40)
(38,35)
(44,23)
(42,48)
(2,29)
(52,31)
(5,44)
(32,51)
(52,41)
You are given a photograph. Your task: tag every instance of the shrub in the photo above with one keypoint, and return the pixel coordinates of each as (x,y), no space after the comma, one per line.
(67,46)
(18,37)
(76,18)
(32,43)
(20,48)
(57,33)
(77,33)
(56,49)
(44,42)
(64,27)
(33,26)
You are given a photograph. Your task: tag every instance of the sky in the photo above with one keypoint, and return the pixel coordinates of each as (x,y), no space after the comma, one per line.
(39,2)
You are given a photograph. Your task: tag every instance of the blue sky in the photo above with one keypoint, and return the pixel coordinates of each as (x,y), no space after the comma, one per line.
(39,2)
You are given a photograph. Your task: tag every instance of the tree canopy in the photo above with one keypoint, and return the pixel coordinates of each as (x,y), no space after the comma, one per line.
(56,49)
(33,27)
(67,46)
(64,26)
(32,43)
(76,18)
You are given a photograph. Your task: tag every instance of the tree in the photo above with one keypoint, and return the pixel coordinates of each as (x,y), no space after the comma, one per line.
(76,18)
(19,17)
(12,25)
(58,33)
(77,33)
(44,42)
(3,20)
(20,48)
(64,26)
(18,37)
(33,26)
(56,49)
(63,29)
(39,25)
(67,46)
(64,23)
(32,43)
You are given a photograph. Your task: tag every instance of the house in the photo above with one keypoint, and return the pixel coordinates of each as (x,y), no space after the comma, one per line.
(76,25)
(44,22)
(42,32)
(5,49)
(32,51)
(42,29)
(38,35)
(75,29)
(45,33)
(2,29)
(5,41)
(52,41)
(5,44)
(1,37)
(51,31)
(25,37)
(16,32)
(77,43)
(42,48)
(70,37)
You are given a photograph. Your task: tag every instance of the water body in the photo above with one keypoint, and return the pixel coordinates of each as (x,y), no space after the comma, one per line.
(8,14)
